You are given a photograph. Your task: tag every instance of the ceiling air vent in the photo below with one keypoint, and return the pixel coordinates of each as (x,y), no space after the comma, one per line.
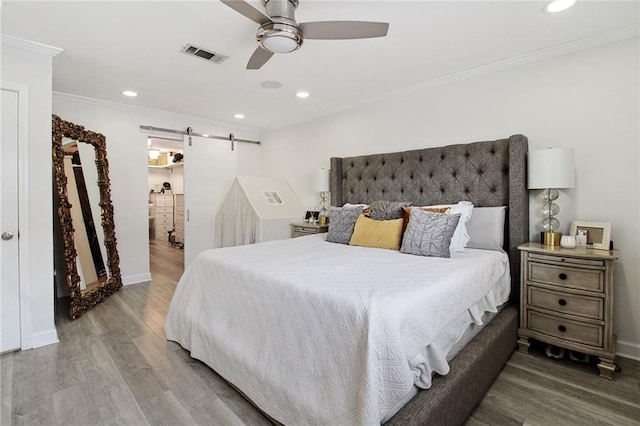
(207,55)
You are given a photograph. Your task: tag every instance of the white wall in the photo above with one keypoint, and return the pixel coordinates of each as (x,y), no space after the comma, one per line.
(586,100)
(127,154)
(173,175)
(31,65)
(156,178)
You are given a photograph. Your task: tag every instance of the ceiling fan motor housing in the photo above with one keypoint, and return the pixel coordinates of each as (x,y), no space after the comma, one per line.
(281,8)
(282,35)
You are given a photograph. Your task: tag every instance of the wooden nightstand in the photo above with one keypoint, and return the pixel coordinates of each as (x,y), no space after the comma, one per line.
(302,229)
(566,300)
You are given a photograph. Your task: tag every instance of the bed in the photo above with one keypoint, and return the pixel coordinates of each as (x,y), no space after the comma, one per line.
(319,333)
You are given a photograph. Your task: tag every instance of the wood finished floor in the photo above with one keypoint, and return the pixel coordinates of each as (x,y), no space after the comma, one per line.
(114,366)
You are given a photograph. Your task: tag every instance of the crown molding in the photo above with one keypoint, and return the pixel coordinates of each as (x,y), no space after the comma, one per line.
(19,43)
(121,106)
(513,62)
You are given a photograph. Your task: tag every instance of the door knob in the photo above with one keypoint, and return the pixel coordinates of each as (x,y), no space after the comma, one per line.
(7,235)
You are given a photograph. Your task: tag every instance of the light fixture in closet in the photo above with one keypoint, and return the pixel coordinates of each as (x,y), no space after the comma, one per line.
(154,154)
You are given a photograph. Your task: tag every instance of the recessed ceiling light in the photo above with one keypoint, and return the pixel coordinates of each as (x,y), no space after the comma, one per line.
(270,84)
(302,94)
(239,116)
(129,93)
(558,5)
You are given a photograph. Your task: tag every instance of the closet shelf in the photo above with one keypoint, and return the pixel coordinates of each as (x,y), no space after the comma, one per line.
(166,166)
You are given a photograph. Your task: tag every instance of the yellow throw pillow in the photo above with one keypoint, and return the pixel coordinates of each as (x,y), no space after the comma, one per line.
(386,234)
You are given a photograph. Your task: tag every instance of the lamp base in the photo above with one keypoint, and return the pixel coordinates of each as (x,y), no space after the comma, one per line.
(552,238)
(322,220)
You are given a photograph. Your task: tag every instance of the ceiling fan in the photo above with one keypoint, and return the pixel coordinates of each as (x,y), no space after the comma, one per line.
(280,33)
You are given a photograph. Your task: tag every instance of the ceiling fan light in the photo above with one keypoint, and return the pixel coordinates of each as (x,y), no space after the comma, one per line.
(278,43)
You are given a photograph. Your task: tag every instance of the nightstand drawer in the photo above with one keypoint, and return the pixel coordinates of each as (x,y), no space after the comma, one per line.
(303,230)
(585,279)
(300,230)
(584,306)
(575,331)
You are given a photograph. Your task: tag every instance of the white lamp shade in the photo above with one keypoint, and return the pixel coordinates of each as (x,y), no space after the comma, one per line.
(321,180)
(552,168)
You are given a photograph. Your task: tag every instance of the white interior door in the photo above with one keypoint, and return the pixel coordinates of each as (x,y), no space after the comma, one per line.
(9,260)
(210,166)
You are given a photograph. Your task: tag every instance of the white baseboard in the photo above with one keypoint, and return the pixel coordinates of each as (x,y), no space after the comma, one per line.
(44,338)
(135,279)
(628,350)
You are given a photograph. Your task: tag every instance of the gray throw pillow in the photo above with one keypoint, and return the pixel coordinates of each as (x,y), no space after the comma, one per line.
(387,210)
(429,234)
(341,223)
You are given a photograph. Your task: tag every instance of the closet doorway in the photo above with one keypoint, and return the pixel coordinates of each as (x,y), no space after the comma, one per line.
(166,193)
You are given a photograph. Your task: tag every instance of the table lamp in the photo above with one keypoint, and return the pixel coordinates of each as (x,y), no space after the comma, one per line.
(551,169)
(321,185)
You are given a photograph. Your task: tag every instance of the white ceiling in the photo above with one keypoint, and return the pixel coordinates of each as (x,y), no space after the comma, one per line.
(113,46)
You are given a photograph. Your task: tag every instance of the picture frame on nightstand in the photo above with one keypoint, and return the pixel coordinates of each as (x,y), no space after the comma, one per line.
(598,233)
(311,214)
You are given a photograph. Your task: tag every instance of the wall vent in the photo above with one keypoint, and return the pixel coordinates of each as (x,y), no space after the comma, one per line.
(207,55)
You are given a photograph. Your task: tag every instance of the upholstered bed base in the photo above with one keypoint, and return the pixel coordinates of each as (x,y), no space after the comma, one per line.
(452,397)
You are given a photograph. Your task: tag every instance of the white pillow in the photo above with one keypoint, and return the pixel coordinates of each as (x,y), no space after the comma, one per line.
(353,206)
(461,235)
(486,228)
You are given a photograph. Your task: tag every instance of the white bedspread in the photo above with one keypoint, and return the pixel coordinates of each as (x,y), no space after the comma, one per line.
(322,333)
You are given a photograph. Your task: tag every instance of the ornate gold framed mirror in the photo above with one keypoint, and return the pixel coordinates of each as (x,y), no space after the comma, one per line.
(83,208)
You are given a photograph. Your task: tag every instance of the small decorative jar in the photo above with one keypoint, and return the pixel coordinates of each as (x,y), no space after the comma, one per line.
(568,241)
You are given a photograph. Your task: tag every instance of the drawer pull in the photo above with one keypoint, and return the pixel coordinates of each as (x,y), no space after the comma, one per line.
(562,328)
(562,276)
(562,302)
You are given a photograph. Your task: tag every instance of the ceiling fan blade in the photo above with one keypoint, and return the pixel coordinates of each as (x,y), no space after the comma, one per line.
(259,58)
(343,30)
(247,10)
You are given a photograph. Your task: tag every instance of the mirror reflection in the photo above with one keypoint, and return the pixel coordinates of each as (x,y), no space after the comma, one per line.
(88,236)
(86,253)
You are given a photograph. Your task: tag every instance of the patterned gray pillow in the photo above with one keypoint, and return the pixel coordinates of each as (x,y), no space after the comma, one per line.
(429,234)
(387,210)
(341,223)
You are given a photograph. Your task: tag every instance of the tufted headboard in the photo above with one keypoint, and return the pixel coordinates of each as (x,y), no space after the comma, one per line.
(489,174)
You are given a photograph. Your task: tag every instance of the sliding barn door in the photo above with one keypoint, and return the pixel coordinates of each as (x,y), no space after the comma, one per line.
(210,166)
